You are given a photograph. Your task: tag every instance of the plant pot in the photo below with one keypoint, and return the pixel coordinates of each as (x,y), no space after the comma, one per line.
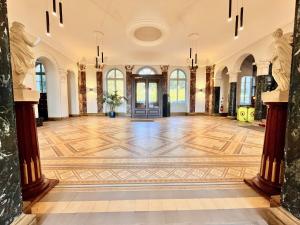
(112,114)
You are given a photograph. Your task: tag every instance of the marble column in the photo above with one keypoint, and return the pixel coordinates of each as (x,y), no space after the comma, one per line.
(262,85)
(99,76)
(164,72)
(209,90)
(232,95)
(10,192)
(216,101)
(82,89)
(193,81)
(129,88)
(291,187)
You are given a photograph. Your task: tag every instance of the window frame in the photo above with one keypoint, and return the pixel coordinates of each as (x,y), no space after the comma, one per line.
(250,89)
(115,79)
(144,68)
(41,74)
(177,79)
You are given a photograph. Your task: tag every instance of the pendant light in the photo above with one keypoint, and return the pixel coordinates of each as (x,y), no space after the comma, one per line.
(47,24)
(236,29)
(54,7)
(230,11)
(193,42)
(61,19)
(99,46)
(242,16)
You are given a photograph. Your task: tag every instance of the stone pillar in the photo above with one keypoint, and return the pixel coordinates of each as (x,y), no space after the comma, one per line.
(217,95)
(99,76)
(193,81)
(164,72)
(262,85)
(209,90)
(129,87)
(291,186)
(232,95)
(82,89)
(10,192)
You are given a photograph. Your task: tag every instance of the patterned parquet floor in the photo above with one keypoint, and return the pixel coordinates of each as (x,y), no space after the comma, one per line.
(99,150)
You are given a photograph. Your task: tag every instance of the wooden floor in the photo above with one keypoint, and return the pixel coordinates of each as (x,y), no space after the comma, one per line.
(99,150)
(179,171)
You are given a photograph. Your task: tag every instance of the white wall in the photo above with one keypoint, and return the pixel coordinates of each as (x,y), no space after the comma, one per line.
(201,83)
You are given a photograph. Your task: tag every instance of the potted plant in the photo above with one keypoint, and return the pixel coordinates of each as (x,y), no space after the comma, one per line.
(113,100)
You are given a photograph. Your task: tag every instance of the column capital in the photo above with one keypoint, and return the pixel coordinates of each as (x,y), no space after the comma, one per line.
(193,69)
(233,76)
(100,67)
(164,68)
(81,67)
(263,67)
(129,68)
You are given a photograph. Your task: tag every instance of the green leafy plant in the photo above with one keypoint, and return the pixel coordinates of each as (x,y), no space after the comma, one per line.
(113,100)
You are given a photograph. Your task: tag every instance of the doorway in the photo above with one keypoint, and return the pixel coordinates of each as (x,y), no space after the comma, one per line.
(147,96)
(41,86)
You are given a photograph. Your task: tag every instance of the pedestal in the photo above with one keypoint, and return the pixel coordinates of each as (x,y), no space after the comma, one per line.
(270,178)
(33,183)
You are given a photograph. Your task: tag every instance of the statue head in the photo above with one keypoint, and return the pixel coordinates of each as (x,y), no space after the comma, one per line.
(278,34)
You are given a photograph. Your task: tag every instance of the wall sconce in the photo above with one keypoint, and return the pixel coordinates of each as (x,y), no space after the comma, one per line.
(91,89)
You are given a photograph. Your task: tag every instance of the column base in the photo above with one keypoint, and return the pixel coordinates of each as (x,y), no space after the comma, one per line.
(25,220)
(38,190)
(267,189)
(279,216)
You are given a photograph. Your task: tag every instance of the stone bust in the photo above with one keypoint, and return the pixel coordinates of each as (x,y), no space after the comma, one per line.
(22,56)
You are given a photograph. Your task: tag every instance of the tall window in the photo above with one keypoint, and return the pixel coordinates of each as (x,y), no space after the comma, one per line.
(146,71)
(178,87)
(115,82)
(247,90)
(40,78)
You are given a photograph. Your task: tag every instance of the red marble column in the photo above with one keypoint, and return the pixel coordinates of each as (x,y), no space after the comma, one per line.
(270,178)
(164,71)
(129,69)
(193,81)
(209,89)
(82,89)
(99,76)
(33,182)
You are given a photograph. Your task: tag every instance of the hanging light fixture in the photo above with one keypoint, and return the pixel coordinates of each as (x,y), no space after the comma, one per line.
(47,24)
(230,11)
(61,19)
(236,29)
(54,7)
(99,45)
(242,16)
(193,39)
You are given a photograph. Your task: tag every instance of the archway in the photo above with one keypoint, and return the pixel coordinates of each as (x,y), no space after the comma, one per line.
(52,86)
(246,82)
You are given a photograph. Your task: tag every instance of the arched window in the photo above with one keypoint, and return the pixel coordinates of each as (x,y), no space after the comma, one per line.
(178,87)
(247,90)
(115,82)
(40,77)
(146,71)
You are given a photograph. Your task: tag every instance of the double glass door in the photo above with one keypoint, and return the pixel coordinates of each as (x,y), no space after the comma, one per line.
(147,98)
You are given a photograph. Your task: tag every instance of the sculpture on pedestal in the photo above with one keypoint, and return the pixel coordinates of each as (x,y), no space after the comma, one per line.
(282,59)
(21,54)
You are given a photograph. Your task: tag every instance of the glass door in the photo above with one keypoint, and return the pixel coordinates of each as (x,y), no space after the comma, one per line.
(147,98)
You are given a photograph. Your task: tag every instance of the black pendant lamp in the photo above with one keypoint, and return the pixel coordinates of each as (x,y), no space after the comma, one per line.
(236,34)
(47,24)
(242,18)
(54,11)
(230,11)
(61,19)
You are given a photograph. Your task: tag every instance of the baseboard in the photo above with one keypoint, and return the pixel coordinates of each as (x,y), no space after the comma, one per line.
(57,118)
(280,216)
(25,219)
(197,114)
(74,115)
(179,114)
(94,114)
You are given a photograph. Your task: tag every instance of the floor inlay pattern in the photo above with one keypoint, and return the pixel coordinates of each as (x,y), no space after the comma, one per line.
(99,150)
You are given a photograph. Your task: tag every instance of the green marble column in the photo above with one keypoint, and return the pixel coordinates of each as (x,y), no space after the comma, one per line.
(291,188)
(10,193)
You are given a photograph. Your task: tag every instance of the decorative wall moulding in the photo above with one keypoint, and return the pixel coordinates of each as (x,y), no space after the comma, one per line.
(147,32)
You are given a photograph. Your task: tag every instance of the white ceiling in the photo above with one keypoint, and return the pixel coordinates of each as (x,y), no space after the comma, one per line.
(180,17)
